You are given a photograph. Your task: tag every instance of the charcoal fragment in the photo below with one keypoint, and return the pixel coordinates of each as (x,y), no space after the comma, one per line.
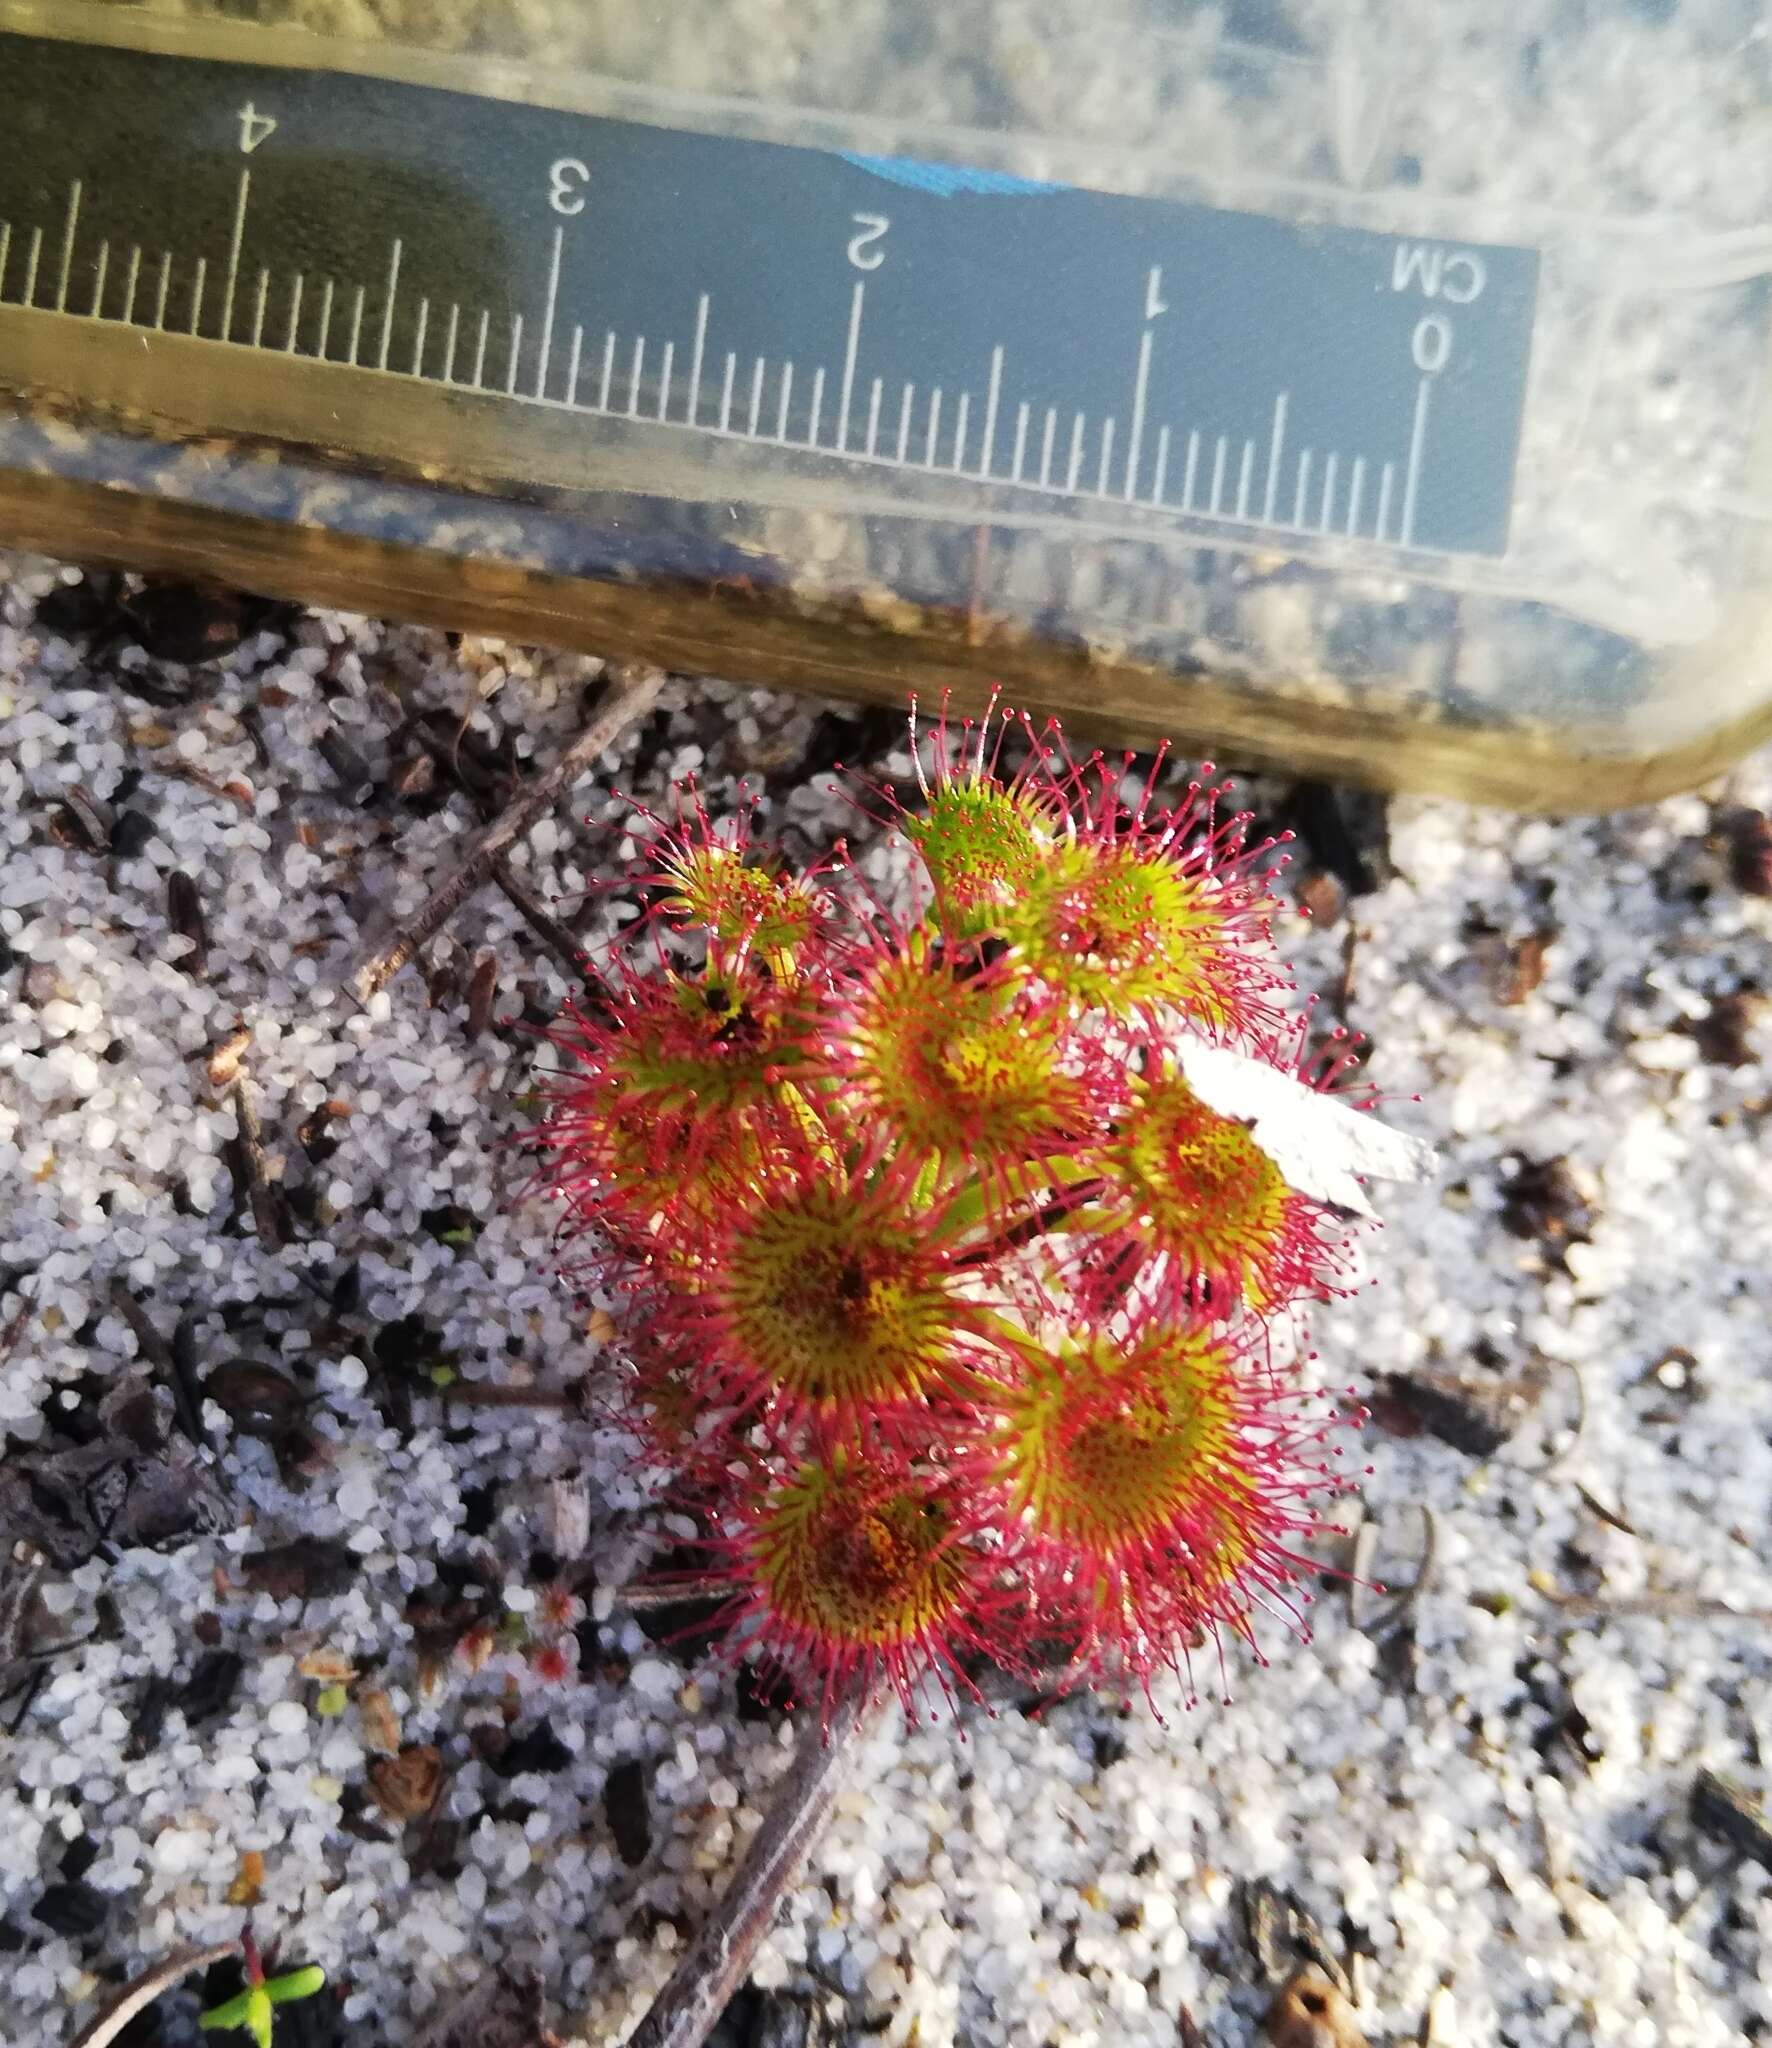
(1722,1809)
(349,769)
(1721,1034)
(1285,1936)
(210,1689)
(315,1136)
(74,610)
(184,912)
(1108,1747)
(190,623)
(258,1399)
(412,1357)
(536,1749)
(625,1808)
(346,1296)
(310,1568)
(1473,1415)
(781,2021)
(74,1910)
(449,1223)
(148,1717)
(439,1851)
(1750,853)
(83,821)
(130,834)
(1348,830)
(1542,1199)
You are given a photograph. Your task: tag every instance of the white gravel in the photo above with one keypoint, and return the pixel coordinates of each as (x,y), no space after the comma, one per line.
(1069,1879)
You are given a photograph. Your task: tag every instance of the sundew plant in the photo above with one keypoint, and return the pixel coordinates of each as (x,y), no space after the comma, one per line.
(964,1273)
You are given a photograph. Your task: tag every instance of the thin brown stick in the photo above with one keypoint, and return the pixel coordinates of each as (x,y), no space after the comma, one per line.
(494,1394)
(249,1150)
(1669,1606)
(548,928)
(157,1353)
(717,1962)
(687,1592)
(140,1994)
(634,694)
(13,1331)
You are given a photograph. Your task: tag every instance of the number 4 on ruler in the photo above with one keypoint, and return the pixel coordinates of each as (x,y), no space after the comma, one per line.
(254,128)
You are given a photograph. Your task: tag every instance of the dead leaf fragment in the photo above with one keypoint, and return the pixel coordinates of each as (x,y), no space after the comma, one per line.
(409,1784)
(1321,897)
(248,1880)
(224,1060)
(327,1667)
(1311,2013)
(1523,969)
(381,1725)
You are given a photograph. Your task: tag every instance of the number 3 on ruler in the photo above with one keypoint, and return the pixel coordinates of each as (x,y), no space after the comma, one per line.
(254,128)
(568,178)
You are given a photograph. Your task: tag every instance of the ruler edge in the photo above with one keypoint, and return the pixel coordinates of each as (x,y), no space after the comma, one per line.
(1142,174)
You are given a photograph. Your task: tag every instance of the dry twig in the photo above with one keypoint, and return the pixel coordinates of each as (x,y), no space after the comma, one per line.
(247,1152)
(548,928)
(719,1959)
(633,696)
(187,1396)
(139,1995)
(1668,1606)
(495,1394)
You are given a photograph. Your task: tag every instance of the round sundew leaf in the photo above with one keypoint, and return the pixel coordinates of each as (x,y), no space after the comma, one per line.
(1182,1183)
(1102,1446)
(856,1564)
(837,1307)
(669,1100)
(714,879)
(1150,1486)
(958,1063)
(1111,927)
(715,888)
(983,846)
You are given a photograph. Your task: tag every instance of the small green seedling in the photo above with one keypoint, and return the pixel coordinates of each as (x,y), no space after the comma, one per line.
(252,2009)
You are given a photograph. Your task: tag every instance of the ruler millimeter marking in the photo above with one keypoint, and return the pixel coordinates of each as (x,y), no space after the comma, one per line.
(1085,348)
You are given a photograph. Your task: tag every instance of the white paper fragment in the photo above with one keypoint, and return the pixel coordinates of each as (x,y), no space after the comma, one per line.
(1322,1145)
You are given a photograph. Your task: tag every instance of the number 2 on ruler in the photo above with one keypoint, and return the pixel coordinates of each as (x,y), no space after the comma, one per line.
(862,252)
(254,128)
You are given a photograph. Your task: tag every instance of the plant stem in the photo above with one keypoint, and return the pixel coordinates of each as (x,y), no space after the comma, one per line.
(717,1962)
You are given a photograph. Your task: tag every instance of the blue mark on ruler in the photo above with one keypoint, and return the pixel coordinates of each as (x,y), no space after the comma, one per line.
(944,180)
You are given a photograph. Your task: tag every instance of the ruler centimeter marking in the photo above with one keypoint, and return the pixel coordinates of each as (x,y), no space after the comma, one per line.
(732,359)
